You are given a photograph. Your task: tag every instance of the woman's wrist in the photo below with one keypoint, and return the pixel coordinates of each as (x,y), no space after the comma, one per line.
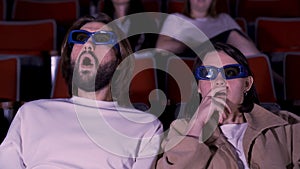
(195,129)
(192,136)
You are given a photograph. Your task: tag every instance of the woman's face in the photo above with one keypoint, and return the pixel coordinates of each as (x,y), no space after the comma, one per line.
(120,1)
(200,5)
(232,89)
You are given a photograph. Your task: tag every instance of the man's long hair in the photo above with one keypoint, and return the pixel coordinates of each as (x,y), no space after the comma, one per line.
(123,73)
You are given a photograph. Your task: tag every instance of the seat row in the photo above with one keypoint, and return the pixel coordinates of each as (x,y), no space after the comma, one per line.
(248,9)
(28,10)
(271,34)
(63,11)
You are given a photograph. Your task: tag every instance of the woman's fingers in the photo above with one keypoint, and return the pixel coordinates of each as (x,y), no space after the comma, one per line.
(216,92)
(216,99)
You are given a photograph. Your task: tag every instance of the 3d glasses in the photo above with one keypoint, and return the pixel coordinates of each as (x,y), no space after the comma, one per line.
(232,71)
(98,38)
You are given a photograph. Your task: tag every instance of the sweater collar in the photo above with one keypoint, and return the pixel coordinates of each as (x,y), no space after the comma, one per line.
(93,103)
(259,119)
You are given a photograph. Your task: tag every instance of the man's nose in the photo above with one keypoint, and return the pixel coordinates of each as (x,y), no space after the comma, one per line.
(89,45)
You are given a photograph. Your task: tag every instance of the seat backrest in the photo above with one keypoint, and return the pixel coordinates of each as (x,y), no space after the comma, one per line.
(263,77)
(3,8)
(151,5)
(251,9)
(277,34)
(144,81)
(291,73)
(25,36)
(223,6)
(242,23)
(179,79)
(85,7)
(174,6)
(10,69)
(62,11)
(59,85)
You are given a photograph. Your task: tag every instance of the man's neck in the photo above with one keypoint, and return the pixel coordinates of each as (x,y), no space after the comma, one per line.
(104,94)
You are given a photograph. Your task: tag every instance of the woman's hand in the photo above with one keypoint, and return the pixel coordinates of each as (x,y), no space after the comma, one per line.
(213,110)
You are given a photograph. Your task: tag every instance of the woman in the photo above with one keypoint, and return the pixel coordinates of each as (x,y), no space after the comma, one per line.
(229,129)
(203,15)
(121,9)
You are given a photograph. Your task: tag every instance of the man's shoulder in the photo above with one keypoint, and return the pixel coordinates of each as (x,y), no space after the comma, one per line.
(44,103)
(131,110)
(136,115)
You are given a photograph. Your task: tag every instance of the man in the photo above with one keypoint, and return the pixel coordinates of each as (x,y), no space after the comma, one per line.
(91,129)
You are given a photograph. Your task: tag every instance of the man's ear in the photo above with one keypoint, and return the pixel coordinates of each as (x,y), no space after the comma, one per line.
(248,83)
(199,90)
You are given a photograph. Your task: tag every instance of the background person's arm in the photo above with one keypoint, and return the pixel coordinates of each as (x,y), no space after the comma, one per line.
(170,44)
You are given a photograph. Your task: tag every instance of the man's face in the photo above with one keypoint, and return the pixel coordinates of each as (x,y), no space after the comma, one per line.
(93,65)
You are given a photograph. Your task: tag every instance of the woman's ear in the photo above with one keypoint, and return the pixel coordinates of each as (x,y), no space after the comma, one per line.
(248,83)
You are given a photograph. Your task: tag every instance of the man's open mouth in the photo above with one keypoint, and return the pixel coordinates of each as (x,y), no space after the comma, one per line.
(87,62)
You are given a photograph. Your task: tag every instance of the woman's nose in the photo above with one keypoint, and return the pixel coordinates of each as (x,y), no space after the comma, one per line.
(220,81)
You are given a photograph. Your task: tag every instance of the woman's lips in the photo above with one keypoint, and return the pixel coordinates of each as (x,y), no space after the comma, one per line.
(221,94)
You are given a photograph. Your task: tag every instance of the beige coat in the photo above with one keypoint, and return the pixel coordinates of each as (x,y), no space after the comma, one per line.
(270,142)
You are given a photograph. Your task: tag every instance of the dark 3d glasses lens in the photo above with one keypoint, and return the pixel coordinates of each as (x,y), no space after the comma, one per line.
(232,71)
(98,38)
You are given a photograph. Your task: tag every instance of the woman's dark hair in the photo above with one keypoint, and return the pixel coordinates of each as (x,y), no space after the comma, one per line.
(122,51)
(249,98)
(211,11)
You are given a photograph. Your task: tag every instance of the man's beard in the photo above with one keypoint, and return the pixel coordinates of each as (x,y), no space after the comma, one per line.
(96,81)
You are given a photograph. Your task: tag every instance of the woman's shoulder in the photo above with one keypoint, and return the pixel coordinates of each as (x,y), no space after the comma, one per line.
(225,17)
(288,116)
(178,16)
(280,116)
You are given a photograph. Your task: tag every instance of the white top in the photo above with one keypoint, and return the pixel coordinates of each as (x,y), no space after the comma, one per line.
(235,134)
(80,133)
(186,29)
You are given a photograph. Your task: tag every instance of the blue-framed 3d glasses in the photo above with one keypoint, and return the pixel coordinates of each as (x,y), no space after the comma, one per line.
(231,71)
(99,38)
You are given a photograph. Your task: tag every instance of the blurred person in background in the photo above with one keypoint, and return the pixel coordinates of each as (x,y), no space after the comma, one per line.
(218,27)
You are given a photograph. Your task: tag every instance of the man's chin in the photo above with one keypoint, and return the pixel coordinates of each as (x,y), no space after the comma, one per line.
(90,87)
